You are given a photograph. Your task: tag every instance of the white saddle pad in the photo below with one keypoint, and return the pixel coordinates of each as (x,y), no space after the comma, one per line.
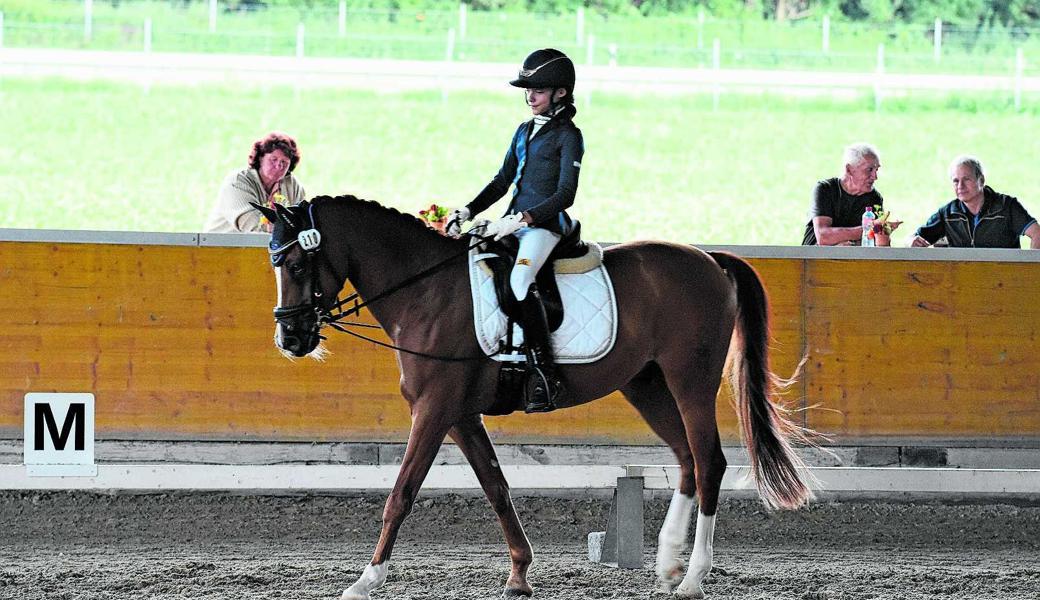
(589,327)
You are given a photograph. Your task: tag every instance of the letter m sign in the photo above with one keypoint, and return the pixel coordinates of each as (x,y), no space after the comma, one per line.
(59,435)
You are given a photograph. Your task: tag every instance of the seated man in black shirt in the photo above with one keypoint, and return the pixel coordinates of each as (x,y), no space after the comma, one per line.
(836,213)
(980,217)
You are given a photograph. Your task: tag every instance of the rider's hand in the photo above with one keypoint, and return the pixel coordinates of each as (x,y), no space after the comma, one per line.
(455,220)
(507,225)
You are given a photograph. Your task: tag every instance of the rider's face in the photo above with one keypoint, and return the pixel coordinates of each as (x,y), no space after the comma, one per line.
(540,99)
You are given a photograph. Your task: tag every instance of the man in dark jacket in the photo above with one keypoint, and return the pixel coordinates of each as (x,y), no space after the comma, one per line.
(980,217)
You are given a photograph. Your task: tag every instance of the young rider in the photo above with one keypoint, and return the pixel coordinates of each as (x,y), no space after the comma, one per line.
(542,164)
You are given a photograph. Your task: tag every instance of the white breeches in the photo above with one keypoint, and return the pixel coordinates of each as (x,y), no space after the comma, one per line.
(536,244)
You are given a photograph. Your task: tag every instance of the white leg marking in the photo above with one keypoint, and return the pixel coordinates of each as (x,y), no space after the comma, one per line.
(700,559)
(671,539)
(373,577)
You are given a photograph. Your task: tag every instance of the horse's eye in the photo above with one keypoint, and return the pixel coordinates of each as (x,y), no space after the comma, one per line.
(296,269)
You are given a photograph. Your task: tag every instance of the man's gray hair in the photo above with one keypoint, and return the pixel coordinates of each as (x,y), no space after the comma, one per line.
(857,153)
(971,161)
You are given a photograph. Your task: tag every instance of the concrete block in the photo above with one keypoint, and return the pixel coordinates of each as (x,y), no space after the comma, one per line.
(877,456)
(596,539)
(922,456)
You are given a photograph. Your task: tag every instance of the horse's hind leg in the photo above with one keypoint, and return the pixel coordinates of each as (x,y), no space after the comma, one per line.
(472,438)
(649,394)
(694,380)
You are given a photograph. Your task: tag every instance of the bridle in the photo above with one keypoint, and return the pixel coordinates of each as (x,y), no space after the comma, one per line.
(309,240)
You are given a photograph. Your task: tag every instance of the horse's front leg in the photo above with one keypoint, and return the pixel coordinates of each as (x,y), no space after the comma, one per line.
(472,438)
(424,440)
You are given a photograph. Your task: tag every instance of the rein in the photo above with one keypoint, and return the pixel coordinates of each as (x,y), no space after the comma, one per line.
(325,317)
(309,240)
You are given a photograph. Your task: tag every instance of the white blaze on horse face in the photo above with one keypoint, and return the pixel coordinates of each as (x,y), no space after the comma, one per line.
(671,539)
(373,577)
(700,559)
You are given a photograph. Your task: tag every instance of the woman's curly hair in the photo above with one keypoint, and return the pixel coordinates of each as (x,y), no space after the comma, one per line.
(275,140)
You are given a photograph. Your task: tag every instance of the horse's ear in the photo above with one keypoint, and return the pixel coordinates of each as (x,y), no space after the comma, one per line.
(285,215)
(267,212)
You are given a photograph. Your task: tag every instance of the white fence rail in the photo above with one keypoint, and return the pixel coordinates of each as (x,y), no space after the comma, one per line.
(155,67)
(529,477)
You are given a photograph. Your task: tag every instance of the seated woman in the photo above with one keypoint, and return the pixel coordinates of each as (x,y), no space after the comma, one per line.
(268,179)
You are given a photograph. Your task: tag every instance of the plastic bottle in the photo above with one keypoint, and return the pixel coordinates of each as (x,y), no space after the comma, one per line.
(868,227)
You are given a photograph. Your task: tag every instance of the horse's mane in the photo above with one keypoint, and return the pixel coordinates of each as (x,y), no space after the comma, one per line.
(404,220)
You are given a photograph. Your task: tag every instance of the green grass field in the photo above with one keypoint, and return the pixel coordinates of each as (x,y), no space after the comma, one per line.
(107,156)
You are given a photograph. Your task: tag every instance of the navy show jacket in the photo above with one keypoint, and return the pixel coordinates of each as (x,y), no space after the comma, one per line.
(548,178)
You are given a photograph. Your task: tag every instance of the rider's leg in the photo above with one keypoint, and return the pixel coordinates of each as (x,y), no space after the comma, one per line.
(543,386)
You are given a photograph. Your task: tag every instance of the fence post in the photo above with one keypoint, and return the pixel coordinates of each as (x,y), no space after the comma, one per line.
(342,18)
(579,27)
(590,49)
(716,66)
(147,34)
(88,19)
(212,16)
(877,77)
(299,40)
(462,21)
(937,42)
(612,53)
(826,34)
(700,27)
(449,51)
(1020,63)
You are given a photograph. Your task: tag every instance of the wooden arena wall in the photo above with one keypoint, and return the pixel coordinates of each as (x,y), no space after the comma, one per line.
(173,335)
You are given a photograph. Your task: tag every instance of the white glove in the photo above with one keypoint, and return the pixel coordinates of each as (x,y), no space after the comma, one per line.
(455,220)
(507,225)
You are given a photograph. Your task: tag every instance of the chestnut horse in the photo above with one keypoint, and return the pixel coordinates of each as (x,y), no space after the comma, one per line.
(678,309)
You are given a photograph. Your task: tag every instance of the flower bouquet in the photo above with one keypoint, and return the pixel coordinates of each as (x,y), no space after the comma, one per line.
(435,217)
(883,226)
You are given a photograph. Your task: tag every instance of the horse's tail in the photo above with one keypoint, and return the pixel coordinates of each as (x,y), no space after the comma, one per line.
(766,425)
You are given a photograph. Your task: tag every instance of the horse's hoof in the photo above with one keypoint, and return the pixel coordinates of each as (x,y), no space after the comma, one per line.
(669,576)
(515,593)
(691,592)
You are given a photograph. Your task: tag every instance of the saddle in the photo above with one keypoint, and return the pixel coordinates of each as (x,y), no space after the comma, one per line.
(570,247)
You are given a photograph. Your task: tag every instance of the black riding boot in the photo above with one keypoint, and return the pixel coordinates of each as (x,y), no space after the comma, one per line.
(543,387)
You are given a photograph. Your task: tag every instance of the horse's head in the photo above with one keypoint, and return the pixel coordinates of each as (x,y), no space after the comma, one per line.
(307,285)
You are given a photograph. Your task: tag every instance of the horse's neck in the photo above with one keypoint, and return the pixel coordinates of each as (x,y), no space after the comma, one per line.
(383,255)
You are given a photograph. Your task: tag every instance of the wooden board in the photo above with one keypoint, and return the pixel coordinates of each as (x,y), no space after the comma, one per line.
(175,342)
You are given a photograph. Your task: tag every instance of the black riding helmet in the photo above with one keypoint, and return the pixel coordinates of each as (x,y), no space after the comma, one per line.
(547,68)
